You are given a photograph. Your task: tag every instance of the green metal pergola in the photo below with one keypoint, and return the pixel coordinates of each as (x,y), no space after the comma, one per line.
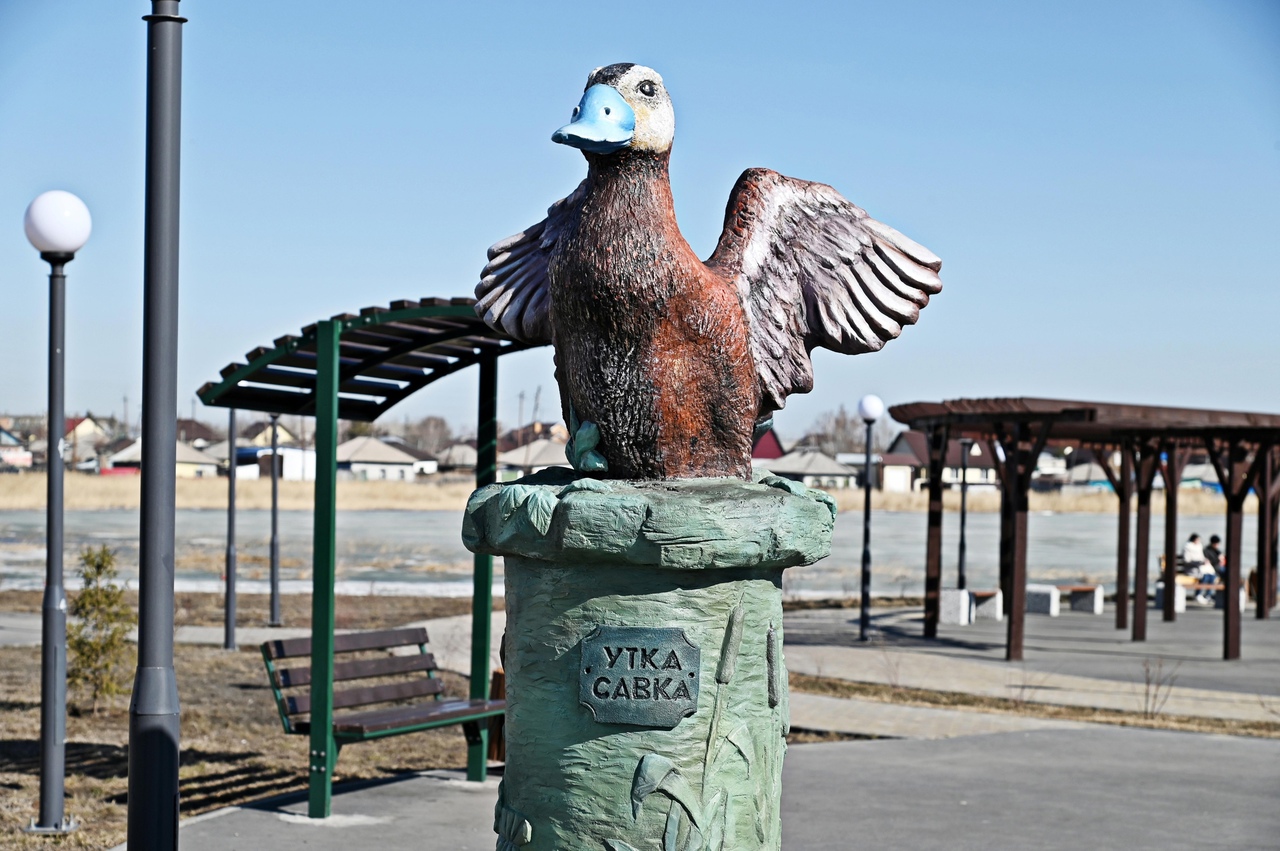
(356,367)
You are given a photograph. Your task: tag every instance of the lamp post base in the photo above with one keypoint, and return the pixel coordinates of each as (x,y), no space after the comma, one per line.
(69,825)
(646,689)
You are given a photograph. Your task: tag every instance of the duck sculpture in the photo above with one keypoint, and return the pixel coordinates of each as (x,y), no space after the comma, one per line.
(666,363)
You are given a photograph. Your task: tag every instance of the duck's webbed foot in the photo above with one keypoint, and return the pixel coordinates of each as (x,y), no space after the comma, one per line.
(583,439)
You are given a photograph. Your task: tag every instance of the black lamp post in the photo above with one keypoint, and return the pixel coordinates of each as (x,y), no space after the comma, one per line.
(274,619)
(154,708)
(57,225)
(229,601)
(870,409)
(966,446)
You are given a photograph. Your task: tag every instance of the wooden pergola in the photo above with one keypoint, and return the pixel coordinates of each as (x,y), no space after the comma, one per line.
(357,367)
(1243,447)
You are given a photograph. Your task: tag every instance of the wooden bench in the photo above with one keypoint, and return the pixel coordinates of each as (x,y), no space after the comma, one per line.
(988,604)
(1219,590)
(1084,598)
(398,679)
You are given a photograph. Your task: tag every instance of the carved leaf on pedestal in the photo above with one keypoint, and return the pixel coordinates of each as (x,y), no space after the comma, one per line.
(541,504)
(656,773)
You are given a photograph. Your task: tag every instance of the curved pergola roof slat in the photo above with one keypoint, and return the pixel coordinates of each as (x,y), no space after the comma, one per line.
(385,354)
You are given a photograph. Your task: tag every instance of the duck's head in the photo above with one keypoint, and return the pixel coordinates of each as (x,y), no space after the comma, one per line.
(625,106)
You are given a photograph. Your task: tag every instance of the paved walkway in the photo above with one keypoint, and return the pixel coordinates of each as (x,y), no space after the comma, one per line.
(824,643)
(820,713)
(1097,787)
(19,628)
(983,780)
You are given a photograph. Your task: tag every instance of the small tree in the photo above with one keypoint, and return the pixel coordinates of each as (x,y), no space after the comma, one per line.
(97,643)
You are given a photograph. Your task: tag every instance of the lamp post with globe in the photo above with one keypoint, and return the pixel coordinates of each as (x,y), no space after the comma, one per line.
(57,225)
(870,409)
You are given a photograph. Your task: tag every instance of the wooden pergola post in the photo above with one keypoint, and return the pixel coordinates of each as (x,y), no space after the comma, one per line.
(1148,464)
(1237,473)
(1171,467)
(937,436)
(1268,501)
(1021,449)
(1122,484)
(482,593)
(996,451)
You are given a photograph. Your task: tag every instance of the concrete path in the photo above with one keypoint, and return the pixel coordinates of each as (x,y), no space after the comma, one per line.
(927,671)
(820,713)
(1100,787)
(19,628)
(824,643)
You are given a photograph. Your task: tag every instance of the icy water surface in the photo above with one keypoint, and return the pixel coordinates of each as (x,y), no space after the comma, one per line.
(421,552)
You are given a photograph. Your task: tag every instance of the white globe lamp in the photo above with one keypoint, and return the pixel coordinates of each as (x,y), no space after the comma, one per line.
(870,408)
(57,222)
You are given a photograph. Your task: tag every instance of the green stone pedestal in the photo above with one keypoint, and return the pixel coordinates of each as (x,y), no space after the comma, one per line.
(647,696)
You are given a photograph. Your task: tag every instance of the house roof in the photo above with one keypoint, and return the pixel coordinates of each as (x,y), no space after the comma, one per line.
(537,453)
(186,454)
(370,450)
(8,438)
(458,455)
(917,444)
(254,429)
(899,459)
(768,447)
(73,423)
(408,448)
(807,462)
(192,430)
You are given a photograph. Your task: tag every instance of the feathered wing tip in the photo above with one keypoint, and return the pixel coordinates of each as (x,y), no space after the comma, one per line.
(514,293)
(814,270)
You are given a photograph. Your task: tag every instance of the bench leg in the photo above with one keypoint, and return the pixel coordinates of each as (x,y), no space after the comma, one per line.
(477,750)
(320,783)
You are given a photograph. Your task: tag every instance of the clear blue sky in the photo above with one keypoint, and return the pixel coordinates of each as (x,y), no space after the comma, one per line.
(1102,180)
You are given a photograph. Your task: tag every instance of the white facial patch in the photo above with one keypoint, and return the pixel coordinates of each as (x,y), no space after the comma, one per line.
(655,117)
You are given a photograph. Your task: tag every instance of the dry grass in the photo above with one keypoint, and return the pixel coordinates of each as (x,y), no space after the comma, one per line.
(988,502)
(974,703)
(233,749)
(204,609)
(85,492)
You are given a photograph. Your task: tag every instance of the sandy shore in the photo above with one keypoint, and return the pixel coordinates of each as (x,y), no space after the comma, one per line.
(85,492)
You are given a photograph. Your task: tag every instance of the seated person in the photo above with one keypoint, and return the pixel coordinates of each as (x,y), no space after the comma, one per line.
(1194,562)
(1213,555)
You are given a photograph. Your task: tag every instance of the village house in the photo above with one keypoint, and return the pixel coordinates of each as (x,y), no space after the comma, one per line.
(190,463)
(368,458)
(13,452)
(905,464)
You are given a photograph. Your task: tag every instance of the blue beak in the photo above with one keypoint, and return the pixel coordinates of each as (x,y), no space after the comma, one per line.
(602,122)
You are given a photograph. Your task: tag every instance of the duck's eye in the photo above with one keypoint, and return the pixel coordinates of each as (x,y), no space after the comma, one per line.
(648,89)
(576,110)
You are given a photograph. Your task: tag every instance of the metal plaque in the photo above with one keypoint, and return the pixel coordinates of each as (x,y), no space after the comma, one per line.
(647,676)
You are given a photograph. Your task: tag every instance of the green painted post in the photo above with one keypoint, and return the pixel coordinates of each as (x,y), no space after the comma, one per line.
(323,754)
(482,596)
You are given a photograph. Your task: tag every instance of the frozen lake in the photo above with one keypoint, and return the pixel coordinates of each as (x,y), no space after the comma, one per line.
(421,552)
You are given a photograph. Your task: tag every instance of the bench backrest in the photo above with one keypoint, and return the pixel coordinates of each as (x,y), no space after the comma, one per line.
(298,679)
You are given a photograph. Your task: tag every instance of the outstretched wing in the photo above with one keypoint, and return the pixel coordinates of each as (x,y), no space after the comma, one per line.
(813,270)
(514,293)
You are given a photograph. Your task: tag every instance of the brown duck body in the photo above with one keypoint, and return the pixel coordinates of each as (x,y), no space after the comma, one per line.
(651,345)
